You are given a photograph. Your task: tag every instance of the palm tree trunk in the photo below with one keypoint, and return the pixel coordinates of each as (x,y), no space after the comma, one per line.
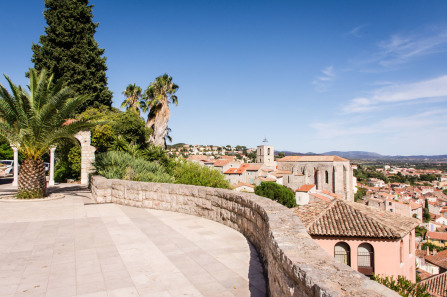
(159,124)
(32,180)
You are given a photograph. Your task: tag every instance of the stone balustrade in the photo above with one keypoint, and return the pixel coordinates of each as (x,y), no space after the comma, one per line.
(295,264)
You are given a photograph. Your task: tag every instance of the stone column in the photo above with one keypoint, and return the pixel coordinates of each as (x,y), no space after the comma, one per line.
(87,155)
(52,149)
(16,165)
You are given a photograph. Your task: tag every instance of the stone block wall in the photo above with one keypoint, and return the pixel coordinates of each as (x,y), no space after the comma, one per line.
(295,264)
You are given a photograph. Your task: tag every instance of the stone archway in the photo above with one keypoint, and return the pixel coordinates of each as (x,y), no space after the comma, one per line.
(87,155)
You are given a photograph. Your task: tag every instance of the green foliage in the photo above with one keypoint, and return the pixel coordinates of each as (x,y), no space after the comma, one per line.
(133,99)
(131,126)
(68,162)
(361,192)
(103,137)
(190,173)
(74,157)
(276,192)
(26,194)
(444,191)
(420,231)
(402,286)
(69,51)
(364,174)
(33,121)
(157,154)
(121,165)
(432,247)
(426,217)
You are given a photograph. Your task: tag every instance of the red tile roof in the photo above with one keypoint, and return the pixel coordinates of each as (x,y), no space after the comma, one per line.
(312,159)
(423,274)
(221,163)
(437,235)
(241,185)
(254,167)
(239,170)
(305,188)
(344,218)
(440,259)
(415,205)
(436,285)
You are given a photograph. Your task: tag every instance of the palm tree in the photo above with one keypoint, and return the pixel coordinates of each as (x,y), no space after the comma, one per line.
(133,99)
(158,95)
(35,121)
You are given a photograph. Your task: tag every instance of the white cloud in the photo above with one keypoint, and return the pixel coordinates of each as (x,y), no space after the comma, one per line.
(322,82)
(356,32)
(432,88)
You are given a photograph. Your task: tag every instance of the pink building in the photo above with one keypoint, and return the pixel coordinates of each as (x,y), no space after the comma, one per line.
(367,239)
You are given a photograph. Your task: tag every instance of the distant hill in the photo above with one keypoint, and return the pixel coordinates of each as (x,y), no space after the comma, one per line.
(355,155)
(361,155)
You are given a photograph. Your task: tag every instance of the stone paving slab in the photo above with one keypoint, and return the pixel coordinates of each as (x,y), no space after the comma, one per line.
(73,247)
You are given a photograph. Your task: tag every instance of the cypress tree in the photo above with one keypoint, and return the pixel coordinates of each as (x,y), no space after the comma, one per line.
(69,51)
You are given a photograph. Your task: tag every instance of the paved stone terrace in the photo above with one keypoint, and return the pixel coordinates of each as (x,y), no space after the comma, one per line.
(73,247)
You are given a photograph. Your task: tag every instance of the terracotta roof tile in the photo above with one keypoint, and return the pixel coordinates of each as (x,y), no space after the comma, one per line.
(344,218)
(312,159)
(221,162)
(437,235)
(440,259)
(436,285)
(305,188)
(254,167)
(242,184)
(423,274)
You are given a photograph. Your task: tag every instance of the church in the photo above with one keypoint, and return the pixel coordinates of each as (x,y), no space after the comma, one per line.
(332,174)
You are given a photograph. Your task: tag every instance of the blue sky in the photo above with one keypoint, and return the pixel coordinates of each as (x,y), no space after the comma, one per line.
(311,76)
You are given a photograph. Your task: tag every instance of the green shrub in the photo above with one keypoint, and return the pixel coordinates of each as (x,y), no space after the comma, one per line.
(190,173)
(402,286)
(122,165)
(276,192)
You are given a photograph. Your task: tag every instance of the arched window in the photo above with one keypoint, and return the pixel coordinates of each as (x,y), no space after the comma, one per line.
(333,180)
(316,178)
(326,175)
(401,251)
(342,253)
(268,151)
(365,259)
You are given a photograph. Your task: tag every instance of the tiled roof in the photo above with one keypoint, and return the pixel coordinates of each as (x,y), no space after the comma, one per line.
(423,274)
(415,205)
(437,235)
(239,170)
(344,218)
(69,122)
(312,159)
(241,185)
(421,253)
(440,259)
(436,285)
(305,188)
(254,167)
(222,162)
(284,172)
(267,179)
(320,197)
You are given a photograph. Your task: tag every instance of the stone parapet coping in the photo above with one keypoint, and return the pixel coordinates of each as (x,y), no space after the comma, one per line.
(11,198)
(295,264)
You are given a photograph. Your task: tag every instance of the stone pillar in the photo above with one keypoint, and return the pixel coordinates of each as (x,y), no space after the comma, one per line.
(16,165)
(87,155)
(52,149)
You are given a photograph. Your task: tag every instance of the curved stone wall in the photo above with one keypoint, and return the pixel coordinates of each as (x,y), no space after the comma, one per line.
(295,264)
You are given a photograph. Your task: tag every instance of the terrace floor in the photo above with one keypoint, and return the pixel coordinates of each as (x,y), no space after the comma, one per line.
(74,247)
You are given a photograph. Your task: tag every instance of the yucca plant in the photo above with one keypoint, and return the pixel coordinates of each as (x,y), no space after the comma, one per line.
(35,120)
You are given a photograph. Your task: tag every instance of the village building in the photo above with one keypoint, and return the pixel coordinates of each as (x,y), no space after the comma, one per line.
(367,239)
(330,173)
(437,238)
